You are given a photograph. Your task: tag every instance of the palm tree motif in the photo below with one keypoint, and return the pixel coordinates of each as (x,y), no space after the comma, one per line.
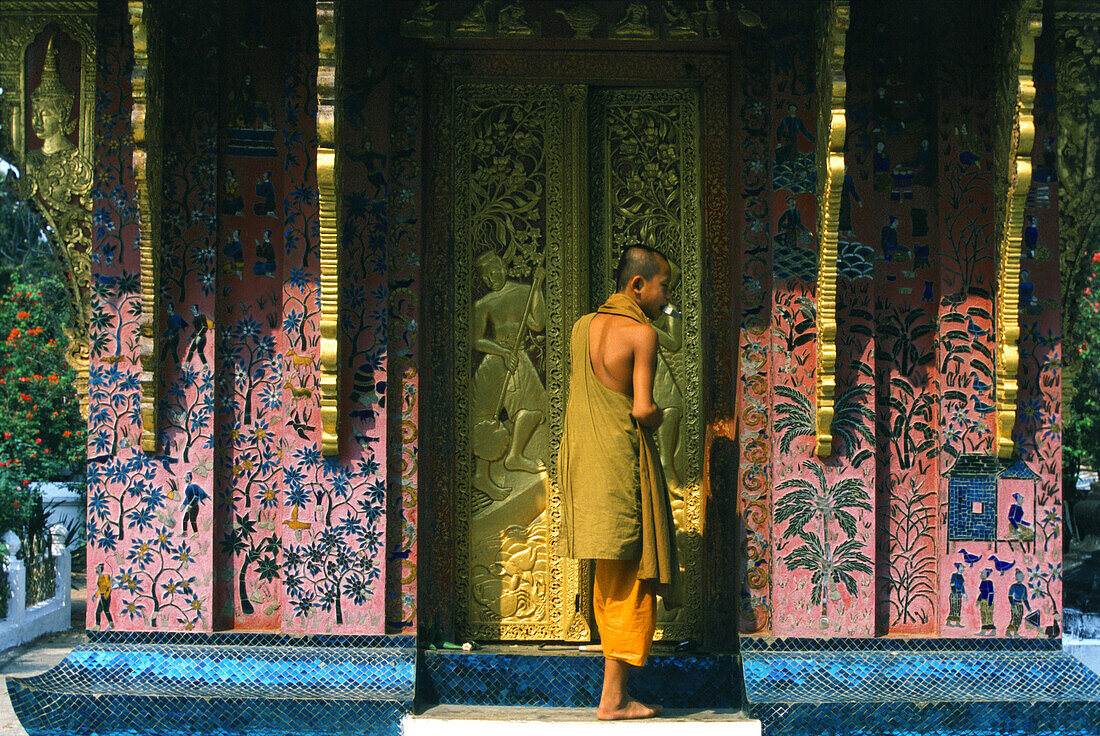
(852,419)
(808,499)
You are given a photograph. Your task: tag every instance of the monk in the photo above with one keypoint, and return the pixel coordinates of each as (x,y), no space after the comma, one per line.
(616,505)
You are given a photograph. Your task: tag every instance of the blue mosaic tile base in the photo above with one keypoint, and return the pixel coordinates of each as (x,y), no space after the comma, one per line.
(574,680)
(137,683)
(894,687)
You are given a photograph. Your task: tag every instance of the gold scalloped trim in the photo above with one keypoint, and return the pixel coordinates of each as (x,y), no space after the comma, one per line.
(327,84)
(832,128)
(1011,245)
(149,335)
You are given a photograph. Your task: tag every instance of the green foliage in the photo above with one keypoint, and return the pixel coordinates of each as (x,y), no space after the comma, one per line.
(1081,423)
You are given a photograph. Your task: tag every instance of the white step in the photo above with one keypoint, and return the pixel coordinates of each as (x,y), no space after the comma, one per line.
(483,720)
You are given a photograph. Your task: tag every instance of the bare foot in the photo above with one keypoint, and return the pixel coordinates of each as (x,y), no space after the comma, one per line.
(629,710)
(520,462)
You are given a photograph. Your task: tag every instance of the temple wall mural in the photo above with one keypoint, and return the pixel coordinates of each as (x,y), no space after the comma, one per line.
(911,526)
(238,522)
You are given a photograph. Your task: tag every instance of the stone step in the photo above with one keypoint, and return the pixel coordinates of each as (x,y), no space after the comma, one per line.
(502,720)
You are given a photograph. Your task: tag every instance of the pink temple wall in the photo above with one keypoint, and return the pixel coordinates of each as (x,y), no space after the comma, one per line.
(916,304)
(283,539)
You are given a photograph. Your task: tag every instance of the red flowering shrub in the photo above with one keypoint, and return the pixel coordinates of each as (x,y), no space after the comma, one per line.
(43,438)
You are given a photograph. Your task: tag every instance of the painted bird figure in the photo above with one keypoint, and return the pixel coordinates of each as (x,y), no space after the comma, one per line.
(979,384)
(1000,565)
(969,558)
(973,329)
(982,407)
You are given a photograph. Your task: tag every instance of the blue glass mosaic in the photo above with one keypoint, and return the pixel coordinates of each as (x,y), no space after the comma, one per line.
(972,509)
(884,686)
(573,680)
(127,682)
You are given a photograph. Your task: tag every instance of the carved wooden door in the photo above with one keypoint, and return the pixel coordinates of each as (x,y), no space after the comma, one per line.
(550,182)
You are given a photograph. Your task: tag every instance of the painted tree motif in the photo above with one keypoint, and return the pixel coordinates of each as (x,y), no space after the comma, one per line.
(806,500)
(341,558)
(795,322)
(910,550)
(852,420)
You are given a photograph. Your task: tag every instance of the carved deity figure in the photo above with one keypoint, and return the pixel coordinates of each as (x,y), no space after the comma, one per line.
(56,172)
(681,24)
(506,379)
(635,24)
(476,21)
(666,391)
(511,20)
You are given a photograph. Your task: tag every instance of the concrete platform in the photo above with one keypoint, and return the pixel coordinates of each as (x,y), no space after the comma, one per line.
(497,720)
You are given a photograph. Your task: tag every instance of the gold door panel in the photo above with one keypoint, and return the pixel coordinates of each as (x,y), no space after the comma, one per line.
(644,154)
(523,237)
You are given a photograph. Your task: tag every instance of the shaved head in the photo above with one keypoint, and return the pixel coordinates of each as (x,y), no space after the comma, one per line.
(638,260)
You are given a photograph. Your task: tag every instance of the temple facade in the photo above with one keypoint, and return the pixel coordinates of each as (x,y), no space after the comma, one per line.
(328,255)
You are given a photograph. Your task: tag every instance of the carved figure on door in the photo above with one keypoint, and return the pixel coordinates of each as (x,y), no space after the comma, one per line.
(506,379)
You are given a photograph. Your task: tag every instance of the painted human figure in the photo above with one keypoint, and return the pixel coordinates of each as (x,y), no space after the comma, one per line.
(234,254)
(847,194)
(1018,527)
(1031,236)
(925,164)
(956,597)
(265,257)
(265,190)
(789,229)
(173,325)
(985,604)
(200,324)
(193,495)
(1017,601)
(890,244)
(880,166)
(786,136)
(1027,290)
(233,201)
(103,596)
(496,324)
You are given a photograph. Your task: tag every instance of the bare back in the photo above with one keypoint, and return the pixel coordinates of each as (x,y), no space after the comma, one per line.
(623,353)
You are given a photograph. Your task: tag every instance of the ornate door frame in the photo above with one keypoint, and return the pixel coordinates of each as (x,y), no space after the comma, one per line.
(707,72)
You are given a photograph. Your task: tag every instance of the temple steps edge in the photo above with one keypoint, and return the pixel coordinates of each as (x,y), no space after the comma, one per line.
(465,720)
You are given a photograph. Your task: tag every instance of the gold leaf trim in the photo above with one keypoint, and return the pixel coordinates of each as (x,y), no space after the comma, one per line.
(1011,242)
(832,128)
(144,117)
(327,186)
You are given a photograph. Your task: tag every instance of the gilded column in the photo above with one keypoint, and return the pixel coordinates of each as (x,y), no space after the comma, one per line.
(145,118)
(832,128)
(327,76)
(1018,132)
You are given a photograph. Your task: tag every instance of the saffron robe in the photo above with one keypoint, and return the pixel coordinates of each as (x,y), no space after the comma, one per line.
(615,501)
